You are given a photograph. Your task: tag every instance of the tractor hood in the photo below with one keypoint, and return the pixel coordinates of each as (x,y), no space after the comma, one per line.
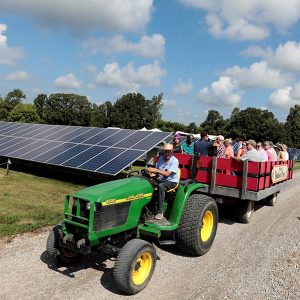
(128,189)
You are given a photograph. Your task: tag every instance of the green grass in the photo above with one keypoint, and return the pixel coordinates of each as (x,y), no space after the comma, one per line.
(296,165)
(29,202)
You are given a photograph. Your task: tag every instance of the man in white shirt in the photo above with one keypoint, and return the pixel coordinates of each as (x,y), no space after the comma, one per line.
(251,154)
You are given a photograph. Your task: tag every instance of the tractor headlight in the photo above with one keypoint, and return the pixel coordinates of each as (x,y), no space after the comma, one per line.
(97,206)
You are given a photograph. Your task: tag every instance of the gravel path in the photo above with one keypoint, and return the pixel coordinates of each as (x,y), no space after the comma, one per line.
(260,260)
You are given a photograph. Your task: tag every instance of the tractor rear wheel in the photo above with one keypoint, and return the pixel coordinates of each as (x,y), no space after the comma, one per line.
(55,251)
(198,226)
(134,266)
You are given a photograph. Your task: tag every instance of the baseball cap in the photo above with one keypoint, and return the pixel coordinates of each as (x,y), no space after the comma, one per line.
(251,142)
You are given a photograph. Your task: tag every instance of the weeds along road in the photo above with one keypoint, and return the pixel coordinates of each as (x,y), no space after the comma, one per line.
(260,260)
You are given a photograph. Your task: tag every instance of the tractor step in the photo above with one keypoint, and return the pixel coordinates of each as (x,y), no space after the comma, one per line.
(166,242)
(163,222)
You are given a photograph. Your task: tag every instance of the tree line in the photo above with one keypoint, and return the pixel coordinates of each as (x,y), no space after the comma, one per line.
(134,111)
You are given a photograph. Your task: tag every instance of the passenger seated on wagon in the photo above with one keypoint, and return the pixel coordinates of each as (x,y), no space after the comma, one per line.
(188,145)
(166,169)
(251,155)
(203,146)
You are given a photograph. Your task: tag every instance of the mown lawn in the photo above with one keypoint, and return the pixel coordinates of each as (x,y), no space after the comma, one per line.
(296,165)
(29,202)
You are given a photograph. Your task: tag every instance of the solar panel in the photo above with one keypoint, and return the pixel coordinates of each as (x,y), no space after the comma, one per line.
(103,150)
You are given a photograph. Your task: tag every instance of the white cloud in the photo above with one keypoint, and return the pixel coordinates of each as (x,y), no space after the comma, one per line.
(285,56)
(8,55)
(115,15)
(182,88)
(223,92)
(247,20)
(17,76)
(130,77)
(148,46)
(286,97)
(68,81)
(258,75)
(89,68)
(169,104)
(239,30)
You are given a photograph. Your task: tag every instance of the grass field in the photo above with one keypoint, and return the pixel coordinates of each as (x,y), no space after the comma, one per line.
(296,165)
(29,202)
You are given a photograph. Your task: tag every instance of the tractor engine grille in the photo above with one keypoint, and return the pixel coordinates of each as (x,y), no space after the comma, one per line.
(111,216)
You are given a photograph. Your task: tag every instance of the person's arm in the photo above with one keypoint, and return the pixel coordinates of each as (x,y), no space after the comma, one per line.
(159,172)
(239,153)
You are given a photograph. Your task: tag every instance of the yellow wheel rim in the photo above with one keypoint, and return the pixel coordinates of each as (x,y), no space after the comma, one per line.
(142,268)
(207,226)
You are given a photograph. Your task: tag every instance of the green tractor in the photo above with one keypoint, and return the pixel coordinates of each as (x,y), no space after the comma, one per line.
(115,219)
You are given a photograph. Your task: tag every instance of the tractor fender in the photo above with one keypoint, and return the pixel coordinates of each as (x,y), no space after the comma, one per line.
(182,195)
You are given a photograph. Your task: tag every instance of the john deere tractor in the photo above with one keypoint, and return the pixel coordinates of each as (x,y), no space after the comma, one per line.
(115,219)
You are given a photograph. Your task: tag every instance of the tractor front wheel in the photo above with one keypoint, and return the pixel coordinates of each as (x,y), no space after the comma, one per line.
(198,226)
(134,266)
(64,255)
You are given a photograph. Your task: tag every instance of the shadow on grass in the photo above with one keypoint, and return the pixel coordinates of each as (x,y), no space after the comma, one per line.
(94,260)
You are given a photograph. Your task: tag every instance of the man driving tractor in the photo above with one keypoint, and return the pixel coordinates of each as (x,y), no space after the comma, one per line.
(166,170)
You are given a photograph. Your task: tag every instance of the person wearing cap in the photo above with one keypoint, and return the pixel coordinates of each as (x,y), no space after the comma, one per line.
(188,145)
(176,143)
(262,152)
(251,154)
(166,169)
(273,151)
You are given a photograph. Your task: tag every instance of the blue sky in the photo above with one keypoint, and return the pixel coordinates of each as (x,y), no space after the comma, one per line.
(202,54)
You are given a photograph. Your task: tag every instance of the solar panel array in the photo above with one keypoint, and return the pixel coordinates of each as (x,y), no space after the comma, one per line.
(103,150)
(294,153)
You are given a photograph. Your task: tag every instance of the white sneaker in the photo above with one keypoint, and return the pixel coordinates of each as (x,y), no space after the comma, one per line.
(159,216)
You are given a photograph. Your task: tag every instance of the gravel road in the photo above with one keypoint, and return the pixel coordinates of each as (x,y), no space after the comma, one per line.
(260,260)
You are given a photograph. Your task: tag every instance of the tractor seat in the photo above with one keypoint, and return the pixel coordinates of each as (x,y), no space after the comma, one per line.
(174,189)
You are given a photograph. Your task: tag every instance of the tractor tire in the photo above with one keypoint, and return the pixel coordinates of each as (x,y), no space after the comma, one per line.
(198,226)
(65,256)
(245,211)
(271,200)
(134,266)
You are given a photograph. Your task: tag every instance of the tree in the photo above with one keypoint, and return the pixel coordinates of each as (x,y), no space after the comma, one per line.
(99,115)
(254,123)
(67,109)
(292,127)
(214,123)
(133,111)
(25,113)
(39,103)
(3,110)
(171,126)
(14,98)
(192,128)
